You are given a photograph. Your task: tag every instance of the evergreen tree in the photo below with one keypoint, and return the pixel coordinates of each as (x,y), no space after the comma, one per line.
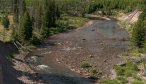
(138,35)
(16,11)
(50,15)
(22,7)
(5,22)
(25,32)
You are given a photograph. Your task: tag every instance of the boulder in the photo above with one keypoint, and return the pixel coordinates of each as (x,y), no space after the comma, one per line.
(33,60)
(43,67)
(135,59)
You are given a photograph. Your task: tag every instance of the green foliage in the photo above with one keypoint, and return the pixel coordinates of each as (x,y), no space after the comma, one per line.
(128,70)
(93,70)
(5,22)
(35,40)
(51,13)
(137,82)
(25,28)
(138,33)
(120,70)
(123,80)
(85,64)
(78,7)
(111,82)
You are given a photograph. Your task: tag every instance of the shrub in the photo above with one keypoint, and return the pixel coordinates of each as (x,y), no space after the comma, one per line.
(119,70)
(35,40)
(123,80)
(111,82)
(137,82)
(85,65)
(93,70)
(137,77)
(129,73)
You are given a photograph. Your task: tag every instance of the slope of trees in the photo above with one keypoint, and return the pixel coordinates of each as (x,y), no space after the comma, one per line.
(44,15)
(80,7)
(139,31)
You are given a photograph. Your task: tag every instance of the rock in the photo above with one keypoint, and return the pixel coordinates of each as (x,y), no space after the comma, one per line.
(144,58)
(83,39)
(93,78)
(101,43)
(135,59)
(59,43)
(43,68)
(144,73)
(93,30)
(123,63)
(91,56)
(33,60)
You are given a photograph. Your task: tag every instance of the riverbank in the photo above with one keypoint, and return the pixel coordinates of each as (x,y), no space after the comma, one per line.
(14,68)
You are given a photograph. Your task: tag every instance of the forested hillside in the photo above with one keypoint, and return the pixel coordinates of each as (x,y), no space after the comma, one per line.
(48,17)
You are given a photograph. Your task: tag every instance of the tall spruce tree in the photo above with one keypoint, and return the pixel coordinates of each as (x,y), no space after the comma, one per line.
(5,23)
(25,32)
(138,34)
(50,15)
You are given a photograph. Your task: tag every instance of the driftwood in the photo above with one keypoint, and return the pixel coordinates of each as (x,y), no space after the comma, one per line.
(19,46)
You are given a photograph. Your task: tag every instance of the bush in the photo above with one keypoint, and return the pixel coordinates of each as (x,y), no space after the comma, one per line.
(93,70)
(85,65)
(53,31)
(111,82)
(137,77)
(128,70)
(129,73)
(137,82)
(119,70)
(123,80)
(35,40)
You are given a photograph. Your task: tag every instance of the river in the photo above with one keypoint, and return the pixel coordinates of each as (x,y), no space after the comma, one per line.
(70,48)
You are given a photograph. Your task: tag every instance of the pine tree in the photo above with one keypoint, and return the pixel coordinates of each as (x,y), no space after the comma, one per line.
(138,35)
(50,15)
(16,11)
(22,7)
(5,22)
(25,32)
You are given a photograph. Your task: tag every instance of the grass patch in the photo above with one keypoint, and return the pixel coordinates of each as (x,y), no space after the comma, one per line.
(137,82)
(74,21)
(85,65)
(93,70)
(128,70)
(111,82)
(123,80)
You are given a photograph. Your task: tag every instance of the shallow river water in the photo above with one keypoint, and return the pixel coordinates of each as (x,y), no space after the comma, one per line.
(57,73)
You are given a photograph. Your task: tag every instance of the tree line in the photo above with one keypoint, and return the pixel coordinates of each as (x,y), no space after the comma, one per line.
(29,19)
(37,19)
(139,31)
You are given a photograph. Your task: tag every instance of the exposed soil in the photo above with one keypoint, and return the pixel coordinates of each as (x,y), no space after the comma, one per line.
(131,17)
